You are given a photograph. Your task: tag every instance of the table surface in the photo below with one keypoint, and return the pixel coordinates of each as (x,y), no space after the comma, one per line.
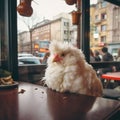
(112,76)
(34,102)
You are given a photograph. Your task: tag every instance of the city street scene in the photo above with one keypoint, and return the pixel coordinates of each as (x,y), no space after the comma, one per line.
(59,59)
(36,32)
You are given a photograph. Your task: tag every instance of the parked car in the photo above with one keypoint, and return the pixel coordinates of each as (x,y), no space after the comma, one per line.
(29,60)
(25,55)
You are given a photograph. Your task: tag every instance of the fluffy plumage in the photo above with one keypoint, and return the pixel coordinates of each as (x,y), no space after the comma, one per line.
(68,70)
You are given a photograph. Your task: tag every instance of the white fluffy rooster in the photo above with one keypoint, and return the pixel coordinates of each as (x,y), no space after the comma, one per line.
(68,70)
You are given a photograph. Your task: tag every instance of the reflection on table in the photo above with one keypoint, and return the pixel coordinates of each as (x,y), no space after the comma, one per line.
(34,102)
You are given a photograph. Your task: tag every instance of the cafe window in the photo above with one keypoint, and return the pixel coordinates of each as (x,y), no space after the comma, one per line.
(54,23)
(85,44)
(108,29)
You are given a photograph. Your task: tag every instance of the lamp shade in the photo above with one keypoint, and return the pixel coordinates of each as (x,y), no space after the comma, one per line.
(24,8)
(70,2)
(75,17)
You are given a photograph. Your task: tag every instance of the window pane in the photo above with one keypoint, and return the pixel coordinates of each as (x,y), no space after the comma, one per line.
(103,16)
(105,19)
(103,27)
(48,22)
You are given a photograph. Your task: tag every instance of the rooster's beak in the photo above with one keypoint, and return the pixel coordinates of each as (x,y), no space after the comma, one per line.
(57,58)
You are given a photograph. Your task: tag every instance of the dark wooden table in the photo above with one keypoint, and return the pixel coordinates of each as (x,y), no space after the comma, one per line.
(34,102)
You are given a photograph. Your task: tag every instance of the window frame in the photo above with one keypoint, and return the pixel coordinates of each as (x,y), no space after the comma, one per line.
(8,17)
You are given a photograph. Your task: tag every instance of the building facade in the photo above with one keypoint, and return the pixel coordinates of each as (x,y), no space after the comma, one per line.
(24,42)
(105,26)
(60,29)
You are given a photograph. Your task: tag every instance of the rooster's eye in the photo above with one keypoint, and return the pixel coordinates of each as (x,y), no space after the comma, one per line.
(62,54)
